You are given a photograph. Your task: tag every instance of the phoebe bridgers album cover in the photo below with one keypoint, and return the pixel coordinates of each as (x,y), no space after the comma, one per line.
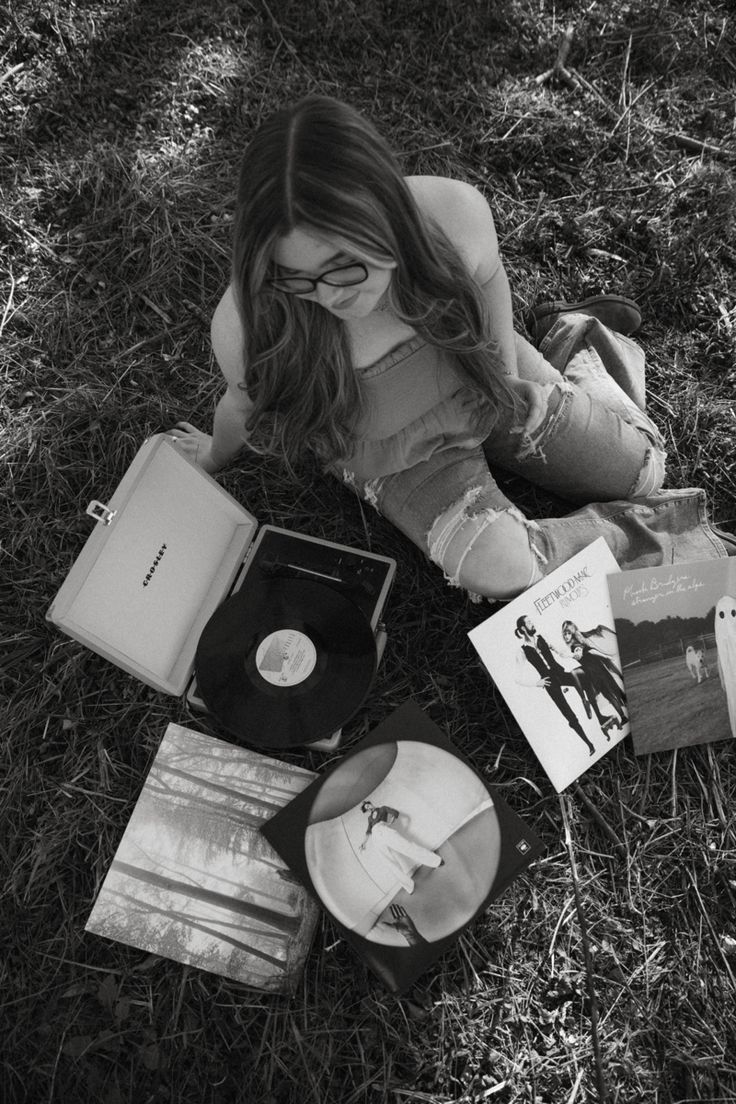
(403,843)
(676,628)
(554,656)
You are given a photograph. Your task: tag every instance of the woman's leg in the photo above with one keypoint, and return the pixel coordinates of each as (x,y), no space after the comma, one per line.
(595,444)
(621,357)
(452,508)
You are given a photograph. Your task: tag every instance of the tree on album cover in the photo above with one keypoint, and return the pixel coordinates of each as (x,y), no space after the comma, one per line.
(194,880)
(403,843)
(676,627)
(553,654)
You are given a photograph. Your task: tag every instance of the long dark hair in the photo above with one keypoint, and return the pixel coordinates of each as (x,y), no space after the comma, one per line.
(319,164)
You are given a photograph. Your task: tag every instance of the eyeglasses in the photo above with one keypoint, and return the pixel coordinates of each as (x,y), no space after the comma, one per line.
(345,276)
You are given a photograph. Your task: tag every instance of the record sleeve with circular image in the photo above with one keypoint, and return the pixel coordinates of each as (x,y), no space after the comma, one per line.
(285,662)
(403,843)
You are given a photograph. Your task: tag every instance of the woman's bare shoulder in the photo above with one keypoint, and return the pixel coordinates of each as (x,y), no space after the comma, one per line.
(462,211)
(226,332)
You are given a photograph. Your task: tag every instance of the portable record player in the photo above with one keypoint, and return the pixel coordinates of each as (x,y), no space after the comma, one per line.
(171,547)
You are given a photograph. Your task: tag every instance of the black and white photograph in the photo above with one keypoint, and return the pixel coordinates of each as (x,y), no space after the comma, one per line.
(331,332)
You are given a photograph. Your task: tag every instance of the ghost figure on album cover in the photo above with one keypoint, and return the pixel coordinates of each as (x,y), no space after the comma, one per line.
(725,630)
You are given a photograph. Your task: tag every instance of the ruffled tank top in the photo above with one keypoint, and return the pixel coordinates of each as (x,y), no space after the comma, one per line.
(415,403)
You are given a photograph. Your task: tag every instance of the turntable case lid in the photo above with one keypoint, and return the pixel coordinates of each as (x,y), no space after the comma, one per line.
(163,554)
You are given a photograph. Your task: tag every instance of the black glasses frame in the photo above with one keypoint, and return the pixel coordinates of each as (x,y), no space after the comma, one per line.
(286,283)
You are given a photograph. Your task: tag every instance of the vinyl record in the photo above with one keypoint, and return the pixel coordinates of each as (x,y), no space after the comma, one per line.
(285,662)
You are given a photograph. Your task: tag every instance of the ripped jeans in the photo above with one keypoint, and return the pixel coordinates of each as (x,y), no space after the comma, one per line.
(594,445)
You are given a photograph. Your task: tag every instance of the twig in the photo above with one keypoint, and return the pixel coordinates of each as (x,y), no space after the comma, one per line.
(709,925)
(9,305)
(558,70)
(593,90)
(576,1086)
(696,146)
(283,40)
(19,226)
(592,997)
(627,110)
(599,818)
(625,73)
(9,72)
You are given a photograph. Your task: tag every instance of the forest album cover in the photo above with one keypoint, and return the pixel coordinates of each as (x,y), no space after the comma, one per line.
(552,652)
(194,880)
(676,629)
(403,843)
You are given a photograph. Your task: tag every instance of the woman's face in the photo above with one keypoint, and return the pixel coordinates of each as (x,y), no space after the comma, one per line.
(305,252)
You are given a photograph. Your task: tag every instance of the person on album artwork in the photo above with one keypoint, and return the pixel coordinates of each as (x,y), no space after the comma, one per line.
(601,674)
(402,922)
(392,846)
(369,326)
(553,677)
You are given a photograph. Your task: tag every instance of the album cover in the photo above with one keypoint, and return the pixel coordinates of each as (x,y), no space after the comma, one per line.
(193,878)
(553,654)
(403,843)
(285,661)
(676,631)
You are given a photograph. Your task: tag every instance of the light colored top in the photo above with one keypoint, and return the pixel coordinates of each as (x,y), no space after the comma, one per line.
(416,403)
(394,433)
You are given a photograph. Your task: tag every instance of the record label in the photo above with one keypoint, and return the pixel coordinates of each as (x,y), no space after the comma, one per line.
(286,657)
(285,662)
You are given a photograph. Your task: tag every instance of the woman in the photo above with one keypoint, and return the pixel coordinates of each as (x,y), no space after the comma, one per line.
(369,323)
(392,847)
(602,676)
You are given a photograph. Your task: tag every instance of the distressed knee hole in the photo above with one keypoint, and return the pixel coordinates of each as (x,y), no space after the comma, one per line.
(651,476)
(487,551)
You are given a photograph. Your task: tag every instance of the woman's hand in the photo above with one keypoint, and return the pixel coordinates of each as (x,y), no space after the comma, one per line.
(535,397)
(195,445)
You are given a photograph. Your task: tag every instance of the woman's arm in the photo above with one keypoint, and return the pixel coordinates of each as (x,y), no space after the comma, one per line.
(228,427)
(464,215)
(228,431)
(490,275)
(602,638)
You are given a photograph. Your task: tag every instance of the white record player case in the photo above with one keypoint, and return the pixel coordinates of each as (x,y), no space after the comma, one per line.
(166,550)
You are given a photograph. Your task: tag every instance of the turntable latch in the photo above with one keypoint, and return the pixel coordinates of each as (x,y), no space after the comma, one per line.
(100,512)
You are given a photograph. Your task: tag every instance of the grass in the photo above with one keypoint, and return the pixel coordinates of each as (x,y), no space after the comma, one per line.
(122,125)
(666,704)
